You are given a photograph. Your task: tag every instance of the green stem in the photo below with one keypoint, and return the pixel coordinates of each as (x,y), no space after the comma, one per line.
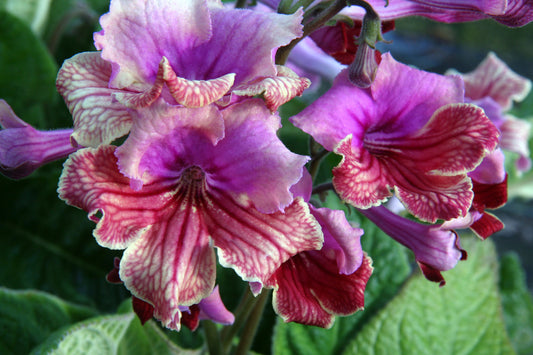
(309,26)
(250,328)
(327,186)
(212,338)
(241,315)
(314,164)
(240,4)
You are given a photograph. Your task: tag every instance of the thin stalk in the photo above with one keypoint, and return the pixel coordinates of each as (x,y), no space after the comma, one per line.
(327,186)
(212,338)
(248,334)
(314,163)
(309,26)
(240,4)
(241,315)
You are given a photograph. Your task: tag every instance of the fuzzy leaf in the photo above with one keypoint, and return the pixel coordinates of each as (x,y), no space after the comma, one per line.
(464,317)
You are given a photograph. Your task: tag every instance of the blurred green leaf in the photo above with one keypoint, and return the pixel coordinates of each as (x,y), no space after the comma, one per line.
(27,318)
(33,12)
(391,268)
(463,317)
(27,78)
(111,335)
(517,304)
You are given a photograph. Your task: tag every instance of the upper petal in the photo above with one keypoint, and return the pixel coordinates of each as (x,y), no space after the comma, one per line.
(98,118)
(493,78)
(136,34)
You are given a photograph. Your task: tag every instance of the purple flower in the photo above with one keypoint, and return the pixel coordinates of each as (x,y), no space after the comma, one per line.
(436,248)
(410,131)
(190,53)
(193,179)
(23,149)
(493,86)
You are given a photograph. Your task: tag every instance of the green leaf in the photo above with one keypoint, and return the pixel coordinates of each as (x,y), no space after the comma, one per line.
(27,318)
(391,268)
(517,304)
(33,12)
(111,335)
(463,317)
(27,78)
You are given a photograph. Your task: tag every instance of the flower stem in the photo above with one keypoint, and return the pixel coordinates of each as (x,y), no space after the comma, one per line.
(241,315)
(252,324)
(310,25)
(240,4)
(212,338)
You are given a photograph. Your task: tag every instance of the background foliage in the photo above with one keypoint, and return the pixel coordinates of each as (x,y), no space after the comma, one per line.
(53,293)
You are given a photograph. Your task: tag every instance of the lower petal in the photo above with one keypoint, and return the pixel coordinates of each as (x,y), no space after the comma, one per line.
(255,244)
(172,264)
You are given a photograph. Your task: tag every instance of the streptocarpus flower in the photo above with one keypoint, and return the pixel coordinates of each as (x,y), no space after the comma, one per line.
(436,247)
(203,177)
(23,149)
(191,53)
(410,131)
(313,287)
(494,86)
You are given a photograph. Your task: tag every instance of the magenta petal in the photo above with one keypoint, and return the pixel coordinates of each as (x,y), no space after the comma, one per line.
(255,244)
(515,138)
(487,225)
(98,117)
(340,237)
(137,34)
(310,290)
(23,149)
(242,43)
(213,308)
(433,246)
(163,131)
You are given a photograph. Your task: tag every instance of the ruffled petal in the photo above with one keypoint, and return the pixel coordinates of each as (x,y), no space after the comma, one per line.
(242,43)
(490,196)
(487,225)
(341,238)
(360,179)
(276,90)
(310,290)
(91,181)
(165,139)
(251,160)
(172,263)
(196,93)
(98,118)
(136,34)
(493,78)
(256,244)
(515,138)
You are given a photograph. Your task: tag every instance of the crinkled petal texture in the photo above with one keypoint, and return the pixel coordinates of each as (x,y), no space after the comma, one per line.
(493,78)
(314,286)
(199,49)
(98,117)
(310,290)
(512,13)
(408,132)
(186,203)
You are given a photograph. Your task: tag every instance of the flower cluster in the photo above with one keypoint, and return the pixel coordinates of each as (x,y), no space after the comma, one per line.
(193,90)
